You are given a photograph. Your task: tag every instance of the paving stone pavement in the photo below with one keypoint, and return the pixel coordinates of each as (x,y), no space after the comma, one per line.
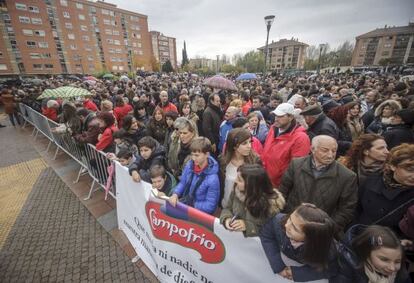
(56,239)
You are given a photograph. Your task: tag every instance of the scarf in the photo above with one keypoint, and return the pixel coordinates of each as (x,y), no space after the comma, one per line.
(375,277)
(183,153)
(391,183)
(373,168)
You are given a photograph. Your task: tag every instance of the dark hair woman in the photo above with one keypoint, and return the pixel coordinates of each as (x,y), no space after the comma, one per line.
(105,139)
(385,198)
(238,152)
(366,156)
(140,113)
(371,254)
(157,127)
(134,130)
(121,109)
(300,246)
(186,111)
(252,202)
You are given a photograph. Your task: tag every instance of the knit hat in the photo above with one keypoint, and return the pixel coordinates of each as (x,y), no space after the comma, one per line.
(311,110)
(407,115)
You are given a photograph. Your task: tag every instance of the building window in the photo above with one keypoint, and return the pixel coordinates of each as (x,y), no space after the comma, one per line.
(37,66)
(105,12)
(134,18)
(1,54)
(73,47)
(385,53)
(64,3)
(46,55)
(387,45)
(117,42)
(27,32)
(49,66)
(43,45)
(31,44)
(79,6)
(35,55)
(121,68)
(108,31)
(71,36)
(90,58)
(110,41)
(88,48)
(24,20)
(68,25)
(66,15)
(118,50)
(81,17)
(115,32)
(111,50)
(84,28)
(20,6)
(106,22)
(140,52)
(36,21)
(85,38)
(40,33)
(33,9)
(3,67)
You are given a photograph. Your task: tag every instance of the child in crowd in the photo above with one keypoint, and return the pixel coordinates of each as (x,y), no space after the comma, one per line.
(162,180)
(125,157)
(150,153)
(300,246)
(199,185)
(252,202)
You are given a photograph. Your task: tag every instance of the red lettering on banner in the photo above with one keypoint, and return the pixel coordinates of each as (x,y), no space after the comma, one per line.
(185,233)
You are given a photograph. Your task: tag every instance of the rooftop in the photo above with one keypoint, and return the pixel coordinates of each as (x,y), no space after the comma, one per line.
(284,42)
(389,30)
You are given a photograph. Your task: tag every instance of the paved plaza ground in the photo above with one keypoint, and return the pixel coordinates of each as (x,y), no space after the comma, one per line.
(47,234)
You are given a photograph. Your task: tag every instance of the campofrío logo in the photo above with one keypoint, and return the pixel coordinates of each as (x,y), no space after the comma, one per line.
(186,233)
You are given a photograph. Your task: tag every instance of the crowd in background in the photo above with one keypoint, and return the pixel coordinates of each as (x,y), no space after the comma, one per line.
(320,168)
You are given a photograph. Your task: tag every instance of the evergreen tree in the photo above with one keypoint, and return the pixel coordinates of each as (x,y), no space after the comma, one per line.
(185,58)
(167,67)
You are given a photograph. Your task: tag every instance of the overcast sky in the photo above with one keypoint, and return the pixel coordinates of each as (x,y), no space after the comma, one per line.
(212,27)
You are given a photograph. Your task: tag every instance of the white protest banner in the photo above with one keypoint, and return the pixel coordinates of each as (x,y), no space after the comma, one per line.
(184,245)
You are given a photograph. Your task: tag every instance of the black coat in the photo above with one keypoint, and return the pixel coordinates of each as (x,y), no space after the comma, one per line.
(212,118)
(323,126)
(349,269)
(142,166)
(398,134)
(136,136)
(376,200)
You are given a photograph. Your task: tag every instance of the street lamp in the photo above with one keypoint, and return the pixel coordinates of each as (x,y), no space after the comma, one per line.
(321,47)
(268,21)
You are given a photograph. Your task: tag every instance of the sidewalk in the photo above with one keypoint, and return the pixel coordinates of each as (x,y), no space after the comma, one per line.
(48,232)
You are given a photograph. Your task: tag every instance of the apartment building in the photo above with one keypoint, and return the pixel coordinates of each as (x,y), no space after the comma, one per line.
(385,46)
(164,48)
(67,36)
(285,54)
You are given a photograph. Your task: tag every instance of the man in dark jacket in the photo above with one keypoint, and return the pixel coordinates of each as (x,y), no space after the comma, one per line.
(321,180)
(401,129)
(319,123)
(212,117)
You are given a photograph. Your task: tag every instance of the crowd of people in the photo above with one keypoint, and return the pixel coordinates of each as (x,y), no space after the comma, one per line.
(320,168)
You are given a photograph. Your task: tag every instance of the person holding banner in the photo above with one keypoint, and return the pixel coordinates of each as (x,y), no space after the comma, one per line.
(300,246)
(252,202)
(199,185)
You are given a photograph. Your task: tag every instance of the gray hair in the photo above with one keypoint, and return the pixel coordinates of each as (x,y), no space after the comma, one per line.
(316,141)
(182,122)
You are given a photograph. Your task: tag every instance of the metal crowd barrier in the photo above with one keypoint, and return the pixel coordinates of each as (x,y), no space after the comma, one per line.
(91,161)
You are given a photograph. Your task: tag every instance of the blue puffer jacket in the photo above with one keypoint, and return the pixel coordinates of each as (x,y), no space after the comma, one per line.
(275,242)
(204,194)
(225,128)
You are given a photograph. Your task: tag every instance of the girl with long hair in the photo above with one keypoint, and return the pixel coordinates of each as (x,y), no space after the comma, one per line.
(253,201)
(238,152)
(300,246)
(157,127)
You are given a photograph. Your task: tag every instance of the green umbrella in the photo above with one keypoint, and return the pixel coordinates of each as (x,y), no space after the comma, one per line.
(64,92)
(108,76)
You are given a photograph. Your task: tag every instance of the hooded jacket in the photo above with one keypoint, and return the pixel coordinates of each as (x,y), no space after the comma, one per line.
(377,126)
(279,150)
(142,166)
(204,195)
(349,269)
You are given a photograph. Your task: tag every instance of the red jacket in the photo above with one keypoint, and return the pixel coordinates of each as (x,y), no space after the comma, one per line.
(50,113)
(120,112)
(106,139)
(90,105)
(246,108)
(169,107)
(279,151)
